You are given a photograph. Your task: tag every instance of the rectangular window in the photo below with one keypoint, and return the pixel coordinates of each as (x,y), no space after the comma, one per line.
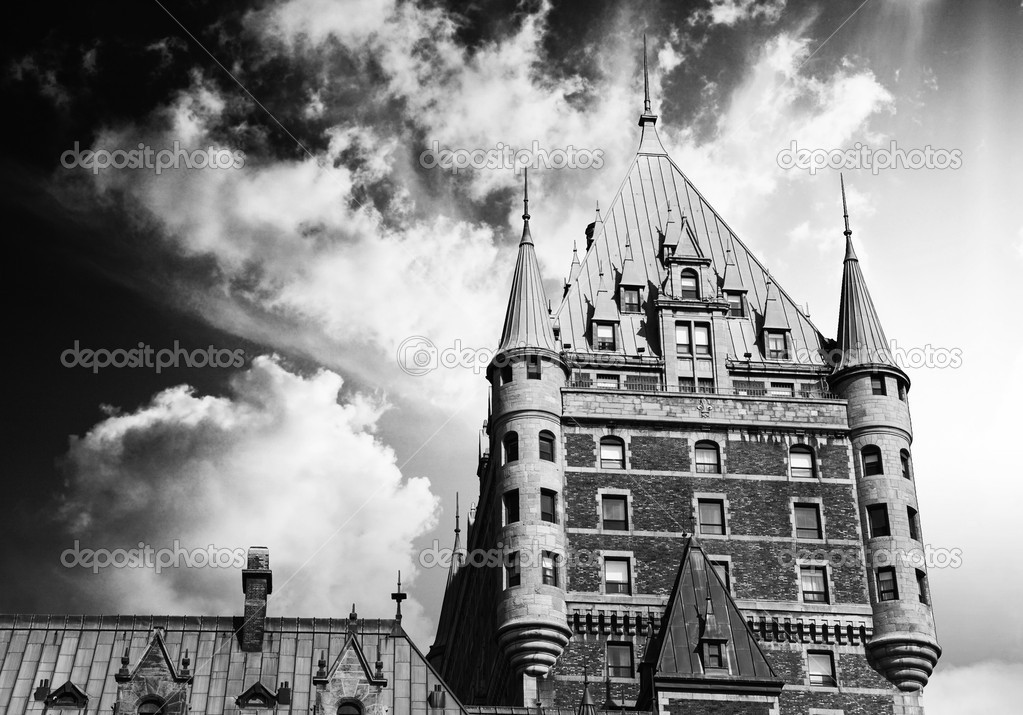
(549,506)
(877,516)
(872,465)
(612,455)
(511,506)
(619,660)
(808,390)
(547,446)
(776,346)
(682,343)
(914,523)
(614,512)
(605,337)
(533,367)
(808,521)
(887,586)
(512,574)
(506,374)
(616,576)
(686,384)
(550,568)
(801,463)
(705,385)
(813,581)
(921,587)
(713,656)
(877,385)
(630,300)
(904,459)
(820,665)
(723,571)
(707,459)
(782,389)
(735,305)
(607,381)
(643,383)
(712,516)
(701,335)
(903,392)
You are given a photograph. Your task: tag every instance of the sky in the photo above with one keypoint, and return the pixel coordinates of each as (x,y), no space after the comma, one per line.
(329,248)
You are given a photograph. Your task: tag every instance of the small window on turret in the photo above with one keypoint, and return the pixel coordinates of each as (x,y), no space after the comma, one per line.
(877,386)
(887,586)
(512,574)
(549,568)
(511,447)
(904,459)
(877,516)
(533,367)
(506,374)
(921,587)
(903,392)
(914,523)
(547,446)
(872,465)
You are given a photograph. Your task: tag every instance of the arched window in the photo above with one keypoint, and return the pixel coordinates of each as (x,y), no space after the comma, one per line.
(511,447)
(349,707)
(906,469)
(547,446)
(872,460)
(690,284)
(801,462)
(612,453)
(708,459)
(150,706)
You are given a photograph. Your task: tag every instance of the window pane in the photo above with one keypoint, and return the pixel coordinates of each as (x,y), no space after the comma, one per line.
(814,584)
(701,335)
(801,462)
(546,447)
(616,576)
(712,517)
(630,300)
(722,568)
(808,522)
(511,506)
(707,459)
(511,447)
(612,455)
(878,517)
(619,660)
(887,588)
(821,669)
(682,338)
(615,513)
(548,506)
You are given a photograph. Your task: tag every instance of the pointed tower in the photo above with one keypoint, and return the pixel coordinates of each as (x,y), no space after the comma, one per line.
(903,647)
(525,480)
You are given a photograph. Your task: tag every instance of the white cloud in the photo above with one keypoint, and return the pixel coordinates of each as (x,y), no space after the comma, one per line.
(988,688)
(278,462)
(732,12)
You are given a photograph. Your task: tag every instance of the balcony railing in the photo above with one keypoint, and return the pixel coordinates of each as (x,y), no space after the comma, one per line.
(800,391)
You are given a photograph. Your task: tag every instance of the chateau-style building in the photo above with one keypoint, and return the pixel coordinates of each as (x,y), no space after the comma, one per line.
(690,501)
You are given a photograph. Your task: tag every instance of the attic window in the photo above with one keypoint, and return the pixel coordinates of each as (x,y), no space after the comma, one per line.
(713,656)
(605,337)
(735,307)
(349,708)
(689,283)
(150,706)
(776,345)
(630,300)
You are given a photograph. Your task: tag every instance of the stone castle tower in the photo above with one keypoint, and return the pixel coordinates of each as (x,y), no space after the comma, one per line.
(687,493)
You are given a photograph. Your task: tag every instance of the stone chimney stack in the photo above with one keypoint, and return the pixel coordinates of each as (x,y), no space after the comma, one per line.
(257,583)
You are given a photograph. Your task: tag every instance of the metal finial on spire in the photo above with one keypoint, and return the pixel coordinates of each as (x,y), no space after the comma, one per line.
(525,194)
(458,527)
(398,597)
(845,208)
(598,212)
(646,81)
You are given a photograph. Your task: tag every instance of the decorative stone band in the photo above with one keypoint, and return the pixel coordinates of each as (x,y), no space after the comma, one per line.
(906,659)
(834,631)
(533,646)
(616,622)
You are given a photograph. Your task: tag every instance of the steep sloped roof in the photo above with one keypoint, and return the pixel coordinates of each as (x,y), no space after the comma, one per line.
(635,216)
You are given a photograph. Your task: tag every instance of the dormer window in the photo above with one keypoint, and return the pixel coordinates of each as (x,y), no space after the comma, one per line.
(605,337)
(776,349)
(630,300)
(713,656)
(689,283)
(735,306)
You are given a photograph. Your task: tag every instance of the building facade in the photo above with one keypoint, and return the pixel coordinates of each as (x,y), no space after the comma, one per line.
(690,501)
(699,500)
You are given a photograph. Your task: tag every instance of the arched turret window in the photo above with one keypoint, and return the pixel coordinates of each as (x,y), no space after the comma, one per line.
(349,707)
(547,446)
(801,462)
(150,706)
(511,447)
(872,464)
(906,468)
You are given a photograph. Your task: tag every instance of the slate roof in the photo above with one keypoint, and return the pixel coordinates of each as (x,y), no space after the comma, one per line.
(87,651)
(637,216)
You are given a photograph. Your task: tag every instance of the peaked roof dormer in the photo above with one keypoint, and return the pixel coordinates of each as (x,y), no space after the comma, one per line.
(67,695)
(633,274)
(732,281)
(604,308)
(861,339)
(526,322)
(256,695)
(774,316)
(700,609)
(155,662)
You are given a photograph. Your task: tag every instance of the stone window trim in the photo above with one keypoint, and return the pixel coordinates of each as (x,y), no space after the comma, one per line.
(834,669)
(815,461)
(727,560)
(611,492)
(819,501)
(711,496)
(699,441)
(630,557)
(829,580)
(620,437)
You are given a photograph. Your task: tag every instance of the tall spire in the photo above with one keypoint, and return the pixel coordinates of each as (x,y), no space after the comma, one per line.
(861,339)
(526,323)
(649,142)
(646,81)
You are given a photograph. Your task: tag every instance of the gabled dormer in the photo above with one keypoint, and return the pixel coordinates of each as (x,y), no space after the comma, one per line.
(632,284)
(256,697)
(605,320)
(775,332)
(685,261)
(154,684)
(732,287)
(67,697)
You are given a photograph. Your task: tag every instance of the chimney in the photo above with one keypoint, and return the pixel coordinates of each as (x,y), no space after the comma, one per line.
(257,583)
